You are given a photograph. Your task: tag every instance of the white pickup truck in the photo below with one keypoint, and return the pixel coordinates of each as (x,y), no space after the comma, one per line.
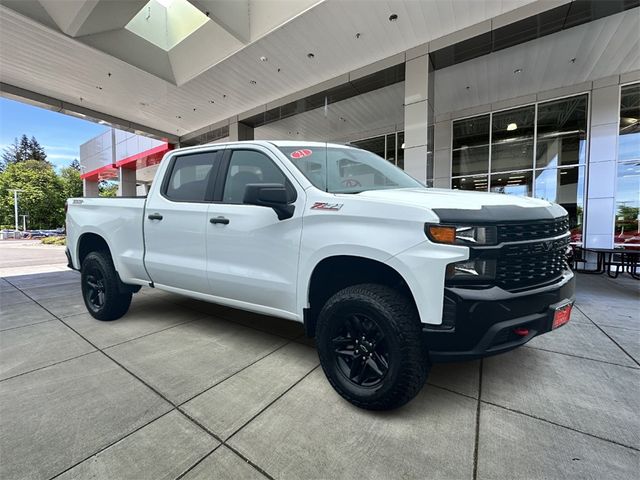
(387,275)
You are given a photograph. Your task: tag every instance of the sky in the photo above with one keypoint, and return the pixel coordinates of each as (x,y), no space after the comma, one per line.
(60,135)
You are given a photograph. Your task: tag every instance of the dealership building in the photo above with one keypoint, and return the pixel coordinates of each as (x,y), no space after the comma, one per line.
(526,97)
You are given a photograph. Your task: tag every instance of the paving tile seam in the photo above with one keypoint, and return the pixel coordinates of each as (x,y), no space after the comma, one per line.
(446,389)
(551,422)
(102,449)
(609,337)
(632,367)
(49,365)
(199,461)
(476,444)
(235,373)
(152,333)
(273,401)
(224,442)
(28,325)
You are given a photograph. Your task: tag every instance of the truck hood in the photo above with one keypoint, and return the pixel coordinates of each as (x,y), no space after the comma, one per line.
(493,205)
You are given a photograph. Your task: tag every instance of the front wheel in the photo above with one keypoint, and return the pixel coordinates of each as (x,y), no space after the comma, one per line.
(370,346)
(100,291)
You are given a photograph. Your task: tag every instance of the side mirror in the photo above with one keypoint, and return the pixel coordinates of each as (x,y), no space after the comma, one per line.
(273,195)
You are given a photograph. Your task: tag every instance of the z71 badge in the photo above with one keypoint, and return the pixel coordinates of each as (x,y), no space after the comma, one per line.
(326,206)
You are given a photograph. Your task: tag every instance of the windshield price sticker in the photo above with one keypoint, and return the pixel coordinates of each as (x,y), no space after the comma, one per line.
(305,152)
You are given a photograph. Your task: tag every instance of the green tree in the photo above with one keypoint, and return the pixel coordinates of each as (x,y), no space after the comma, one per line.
(71,181)
(22,150)
(107,189)
(42,197)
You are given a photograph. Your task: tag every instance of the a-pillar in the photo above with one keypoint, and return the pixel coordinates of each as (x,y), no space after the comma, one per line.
(90,188)
(240,131)
(127,185)
(418,117)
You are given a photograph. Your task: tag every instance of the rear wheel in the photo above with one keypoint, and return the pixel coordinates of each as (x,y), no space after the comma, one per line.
(370,346)
(100,287)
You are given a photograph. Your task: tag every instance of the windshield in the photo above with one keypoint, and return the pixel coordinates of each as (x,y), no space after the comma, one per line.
(346,169)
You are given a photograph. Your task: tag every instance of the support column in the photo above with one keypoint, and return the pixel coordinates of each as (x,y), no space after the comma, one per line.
(418,118)
(127,185)
(240,131)
(90,188)
(600,201)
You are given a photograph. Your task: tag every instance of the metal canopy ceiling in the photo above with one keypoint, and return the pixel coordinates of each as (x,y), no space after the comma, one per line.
(38,55)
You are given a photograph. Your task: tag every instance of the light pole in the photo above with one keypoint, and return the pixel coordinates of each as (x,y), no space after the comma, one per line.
(15,204)
(24,222)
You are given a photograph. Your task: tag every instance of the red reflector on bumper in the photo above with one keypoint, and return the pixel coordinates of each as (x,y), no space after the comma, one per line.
(561,316)
(523,332)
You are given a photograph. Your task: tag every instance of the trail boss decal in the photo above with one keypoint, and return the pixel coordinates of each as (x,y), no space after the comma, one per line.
(326,206)
(301,153)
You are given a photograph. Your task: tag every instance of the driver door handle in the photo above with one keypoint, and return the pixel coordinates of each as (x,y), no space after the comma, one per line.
(222,220)
(155,216)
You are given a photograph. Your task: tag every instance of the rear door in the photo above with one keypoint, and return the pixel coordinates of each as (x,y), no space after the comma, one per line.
(176,221)
(252,257)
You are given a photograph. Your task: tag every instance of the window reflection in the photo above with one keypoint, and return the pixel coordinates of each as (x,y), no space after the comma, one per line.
(400,162)
(627,226)
(566,187)
(478,183)
(512,139)
(374,145)
(514,183)
(629,140)
(562,132)
(470,146)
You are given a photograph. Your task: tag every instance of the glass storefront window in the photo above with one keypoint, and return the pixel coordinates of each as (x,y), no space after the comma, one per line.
(470,146)
(513,183)
(374,145)
(478,183)
(629,139)
(400,162)
(564,186)
(512,139)
(562,132)
(627,225)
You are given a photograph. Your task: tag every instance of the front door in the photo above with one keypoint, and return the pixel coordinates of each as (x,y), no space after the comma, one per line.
(176,222)
(252,257)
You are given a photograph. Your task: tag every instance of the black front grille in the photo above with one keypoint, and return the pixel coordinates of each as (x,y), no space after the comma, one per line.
(527,264)
(514,232)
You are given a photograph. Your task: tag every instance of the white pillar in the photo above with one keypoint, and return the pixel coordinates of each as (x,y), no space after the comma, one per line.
(418,118)
(603,154)
(240,131)
(127,185)
(90,188)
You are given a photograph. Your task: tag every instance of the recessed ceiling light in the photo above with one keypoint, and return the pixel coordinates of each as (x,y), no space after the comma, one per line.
(252,82)
(310,55)
(143,104)
(517,71)
(393,17)
(573,60)
(98,87)
(358,35)
(263,59)
(194,109)
(467,87)
(212,101)
(224,96)
(178,117)
(278,70)
(512,126)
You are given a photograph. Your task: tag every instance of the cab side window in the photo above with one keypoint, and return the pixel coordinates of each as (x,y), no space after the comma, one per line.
(246,167)
(191,177)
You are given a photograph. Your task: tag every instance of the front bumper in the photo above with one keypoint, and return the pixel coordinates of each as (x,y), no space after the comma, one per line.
(480,323)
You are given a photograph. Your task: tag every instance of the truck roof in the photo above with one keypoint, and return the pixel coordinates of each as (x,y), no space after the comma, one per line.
(285,143)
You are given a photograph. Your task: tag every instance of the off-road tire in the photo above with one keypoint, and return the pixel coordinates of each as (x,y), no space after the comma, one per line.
(396,318)
(97,269)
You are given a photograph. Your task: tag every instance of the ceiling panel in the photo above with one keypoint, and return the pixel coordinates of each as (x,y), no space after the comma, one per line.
(605,47)
(45,61)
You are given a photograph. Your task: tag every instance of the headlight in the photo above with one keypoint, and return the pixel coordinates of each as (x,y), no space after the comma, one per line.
(476,271)
(462,235)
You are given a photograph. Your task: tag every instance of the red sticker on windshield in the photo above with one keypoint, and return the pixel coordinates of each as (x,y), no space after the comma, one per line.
(301,153)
